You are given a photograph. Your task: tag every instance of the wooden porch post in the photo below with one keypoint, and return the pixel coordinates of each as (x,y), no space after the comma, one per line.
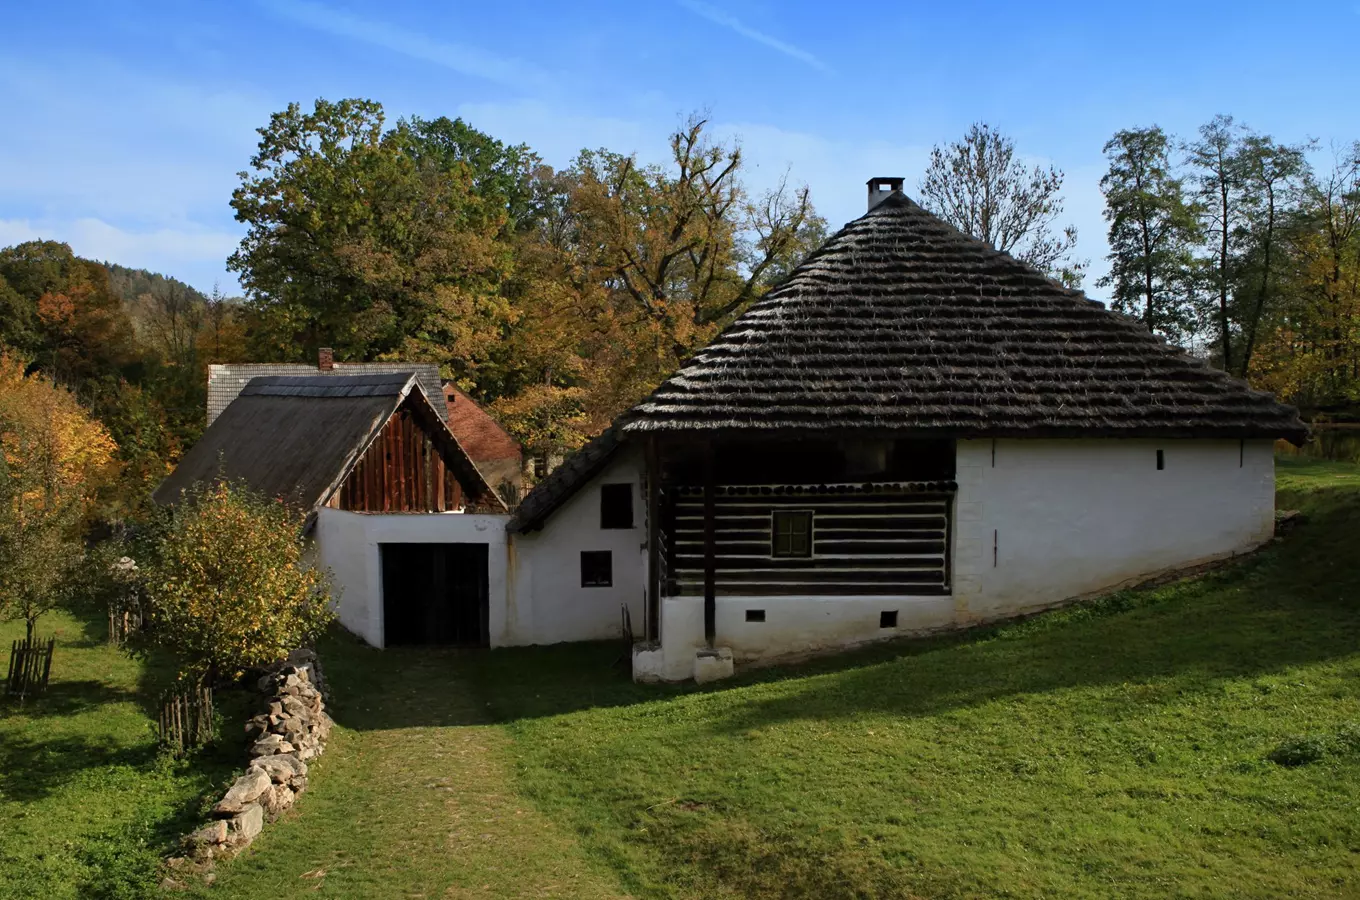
(710,550)
(652,625)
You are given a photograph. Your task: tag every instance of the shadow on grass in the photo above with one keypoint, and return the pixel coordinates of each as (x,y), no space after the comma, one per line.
(1296,602)
(33,769)
(69,698)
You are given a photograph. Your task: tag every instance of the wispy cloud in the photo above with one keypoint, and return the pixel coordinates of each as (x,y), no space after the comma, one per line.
(726,20)
(460,58)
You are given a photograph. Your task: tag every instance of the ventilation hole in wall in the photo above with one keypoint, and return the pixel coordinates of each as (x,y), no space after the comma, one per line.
(755,615)
(887,618)
(1161,460)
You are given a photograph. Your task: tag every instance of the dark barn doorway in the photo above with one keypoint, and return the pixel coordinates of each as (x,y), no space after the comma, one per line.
(435,594)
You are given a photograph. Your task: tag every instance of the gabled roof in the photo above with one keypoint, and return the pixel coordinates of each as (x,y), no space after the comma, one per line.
(902,324)
(226,380)
(298,437)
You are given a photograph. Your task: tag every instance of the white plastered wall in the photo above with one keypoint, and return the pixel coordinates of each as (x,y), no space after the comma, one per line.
(1073,517)
(547,603)
(348,544)
(1070,518)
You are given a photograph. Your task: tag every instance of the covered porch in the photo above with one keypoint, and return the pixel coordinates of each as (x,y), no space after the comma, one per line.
(785,545)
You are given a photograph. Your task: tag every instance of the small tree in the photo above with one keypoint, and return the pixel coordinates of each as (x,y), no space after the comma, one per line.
(54,458)
(227,588)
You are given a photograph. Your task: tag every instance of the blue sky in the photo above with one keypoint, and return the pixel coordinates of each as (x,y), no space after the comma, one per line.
(125,123)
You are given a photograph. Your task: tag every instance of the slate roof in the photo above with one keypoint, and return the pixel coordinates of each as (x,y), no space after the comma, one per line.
(297,437)
(902,324)
(226,381)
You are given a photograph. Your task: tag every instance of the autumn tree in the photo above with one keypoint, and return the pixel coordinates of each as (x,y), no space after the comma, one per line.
(363,240)
(633,268)
(54,458)
(979,186)
(67,319)
(226,587)
(1153,230)
(1310,353)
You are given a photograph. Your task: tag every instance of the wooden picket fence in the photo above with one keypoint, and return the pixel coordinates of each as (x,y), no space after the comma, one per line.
(125,620)
(186,717)
(30,664)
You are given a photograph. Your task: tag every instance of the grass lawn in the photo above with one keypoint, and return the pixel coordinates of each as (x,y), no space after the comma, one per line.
(1115,749)
(87,806)
(1118,748)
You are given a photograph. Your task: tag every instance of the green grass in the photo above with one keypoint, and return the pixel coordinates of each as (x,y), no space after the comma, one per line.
(87,804)
(1125,747)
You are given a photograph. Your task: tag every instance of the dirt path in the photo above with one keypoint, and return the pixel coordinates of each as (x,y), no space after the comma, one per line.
(400,808)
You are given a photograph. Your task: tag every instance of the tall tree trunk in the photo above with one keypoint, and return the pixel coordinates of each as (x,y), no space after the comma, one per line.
(1253,324)
(1223,321)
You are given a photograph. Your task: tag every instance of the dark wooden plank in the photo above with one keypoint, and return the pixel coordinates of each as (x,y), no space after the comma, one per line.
(821,589)
(924,574)
(710,607)
(653,513)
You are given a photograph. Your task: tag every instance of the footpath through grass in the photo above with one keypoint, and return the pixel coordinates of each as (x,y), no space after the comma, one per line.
(1115,749)
(87,805)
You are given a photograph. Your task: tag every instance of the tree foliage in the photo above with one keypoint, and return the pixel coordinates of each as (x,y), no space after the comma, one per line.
(1153,230)
(226,588)
(54,460)
(977,185)
(559,296)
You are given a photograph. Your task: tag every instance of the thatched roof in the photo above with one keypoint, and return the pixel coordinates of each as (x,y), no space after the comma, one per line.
(902,324)
(298,437)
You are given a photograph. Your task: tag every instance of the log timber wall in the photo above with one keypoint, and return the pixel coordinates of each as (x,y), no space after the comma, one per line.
(874,539)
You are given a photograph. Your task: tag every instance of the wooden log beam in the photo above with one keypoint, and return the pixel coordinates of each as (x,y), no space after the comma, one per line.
(652,623)
(710,550)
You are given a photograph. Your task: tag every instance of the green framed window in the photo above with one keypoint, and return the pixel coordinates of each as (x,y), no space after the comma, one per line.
(791,534)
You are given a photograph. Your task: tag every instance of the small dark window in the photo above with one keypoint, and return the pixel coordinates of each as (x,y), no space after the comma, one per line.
(755,615)
(538,465)
(616,506)
(887,618)
(597,568)
(791,534)
(1161,460)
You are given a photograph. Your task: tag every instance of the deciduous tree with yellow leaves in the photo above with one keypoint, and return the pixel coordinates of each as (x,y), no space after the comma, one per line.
(227,588)
(54,459)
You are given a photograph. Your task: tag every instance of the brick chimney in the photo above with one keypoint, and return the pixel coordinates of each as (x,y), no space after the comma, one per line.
(880,188)
(325,359)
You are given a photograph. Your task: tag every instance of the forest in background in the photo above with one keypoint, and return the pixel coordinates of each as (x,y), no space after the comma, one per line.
(558,297)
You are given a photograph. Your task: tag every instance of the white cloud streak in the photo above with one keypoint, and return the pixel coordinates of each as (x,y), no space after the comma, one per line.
(459,58)
(731,22)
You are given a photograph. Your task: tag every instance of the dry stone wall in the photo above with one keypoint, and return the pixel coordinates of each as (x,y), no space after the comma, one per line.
(293,729)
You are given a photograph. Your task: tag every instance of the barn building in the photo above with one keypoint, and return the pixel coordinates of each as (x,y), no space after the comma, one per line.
(411,531)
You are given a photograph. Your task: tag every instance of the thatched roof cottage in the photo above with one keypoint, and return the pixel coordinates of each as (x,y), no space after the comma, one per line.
(913,432)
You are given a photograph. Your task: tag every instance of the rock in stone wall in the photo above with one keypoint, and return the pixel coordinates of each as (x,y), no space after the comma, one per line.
(292,730)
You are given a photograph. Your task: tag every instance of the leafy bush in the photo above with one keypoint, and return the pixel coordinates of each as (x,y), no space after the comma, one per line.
(227,588)
(1299,750)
